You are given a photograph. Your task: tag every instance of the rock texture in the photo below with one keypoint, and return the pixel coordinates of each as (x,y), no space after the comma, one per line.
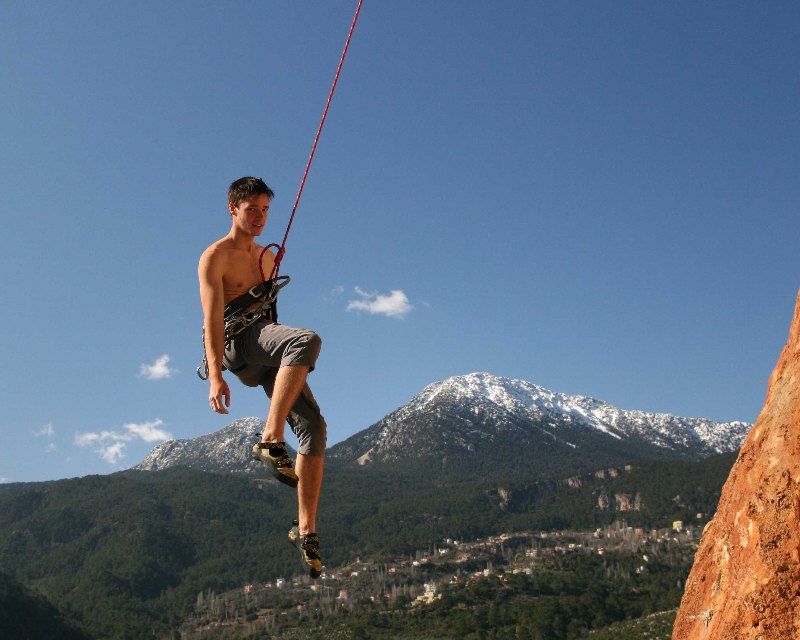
(745,582)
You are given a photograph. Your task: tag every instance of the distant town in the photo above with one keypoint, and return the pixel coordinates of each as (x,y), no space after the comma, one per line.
(420,578)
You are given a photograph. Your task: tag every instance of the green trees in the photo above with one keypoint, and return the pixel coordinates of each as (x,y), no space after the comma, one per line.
(26,615)
(564,599)
(128,554)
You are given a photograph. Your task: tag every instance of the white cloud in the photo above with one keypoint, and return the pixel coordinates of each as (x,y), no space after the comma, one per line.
(85,439)
(90,438)
(149,431)
(334,295)
(46,430)
(50,447)
(113,453)
(110,445)
(159,370)
(394,305)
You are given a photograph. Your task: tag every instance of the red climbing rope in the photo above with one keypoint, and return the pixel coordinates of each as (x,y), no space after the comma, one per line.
(281,249)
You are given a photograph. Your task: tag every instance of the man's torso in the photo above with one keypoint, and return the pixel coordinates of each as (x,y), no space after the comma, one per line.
(240,267)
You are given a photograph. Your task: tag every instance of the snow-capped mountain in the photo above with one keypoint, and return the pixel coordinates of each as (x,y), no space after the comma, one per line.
(506,418)
(224,451)
(480,423)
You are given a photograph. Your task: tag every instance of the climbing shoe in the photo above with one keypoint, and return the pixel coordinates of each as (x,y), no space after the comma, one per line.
(277,460)
(308,544)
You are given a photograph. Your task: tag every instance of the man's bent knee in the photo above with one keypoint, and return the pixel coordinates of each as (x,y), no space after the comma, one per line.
(302,349)
(312,437)
(309,426)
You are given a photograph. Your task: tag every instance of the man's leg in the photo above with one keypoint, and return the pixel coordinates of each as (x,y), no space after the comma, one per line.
(288,352)
(288,355)
(309,472)
(284,392)
(309,426)
(311,431)
(289,382)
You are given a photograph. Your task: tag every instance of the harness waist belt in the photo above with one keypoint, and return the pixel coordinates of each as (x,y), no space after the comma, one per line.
(256,294)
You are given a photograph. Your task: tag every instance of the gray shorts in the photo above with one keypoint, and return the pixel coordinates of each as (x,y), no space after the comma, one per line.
(256,354)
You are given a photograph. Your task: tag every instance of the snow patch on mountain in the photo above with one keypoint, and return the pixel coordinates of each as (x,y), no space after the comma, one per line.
(225,451)
(523,399)
(510,403)
(470,413)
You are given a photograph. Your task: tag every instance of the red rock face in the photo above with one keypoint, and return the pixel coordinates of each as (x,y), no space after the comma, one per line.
(745,582)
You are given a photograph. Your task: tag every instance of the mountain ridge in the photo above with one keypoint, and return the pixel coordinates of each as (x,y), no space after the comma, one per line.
(464,423)
(481,411)
(224,451)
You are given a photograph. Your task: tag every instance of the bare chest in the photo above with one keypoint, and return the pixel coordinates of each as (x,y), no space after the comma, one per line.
(241,274)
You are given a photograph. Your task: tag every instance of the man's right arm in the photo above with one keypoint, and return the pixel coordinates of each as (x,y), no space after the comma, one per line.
(212,298)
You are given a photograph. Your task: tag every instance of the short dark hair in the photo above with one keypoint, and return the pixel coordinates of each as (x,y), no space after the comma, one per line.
(246,187)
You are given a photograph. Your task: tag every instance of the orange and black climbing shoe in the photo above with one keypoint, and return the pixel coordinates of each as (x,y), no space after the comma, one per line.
(308,543)
(277,459)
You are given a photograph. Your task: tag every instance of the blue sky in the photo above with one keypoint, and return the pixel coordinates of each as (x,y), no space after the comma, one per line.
(600,198)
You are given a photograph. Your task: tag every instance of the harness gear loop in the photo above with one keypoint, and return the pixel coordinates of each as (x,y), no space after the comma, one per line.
(279,256)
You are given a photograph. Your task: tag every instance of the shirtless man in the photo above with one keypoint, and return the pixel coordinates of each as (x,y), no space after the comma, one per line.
(267,354)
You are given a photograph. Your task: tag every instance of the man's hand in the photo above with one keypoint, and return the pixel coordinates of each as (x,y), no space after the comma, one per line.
(217,391)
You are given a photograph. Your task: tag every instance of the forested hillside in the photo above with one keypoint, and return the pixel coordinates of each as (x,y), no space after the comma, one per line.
(128,554)
(26,615)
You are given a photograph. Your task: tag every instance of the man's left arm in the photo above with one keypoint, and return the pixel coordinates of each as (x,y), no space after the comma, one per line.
(212,298)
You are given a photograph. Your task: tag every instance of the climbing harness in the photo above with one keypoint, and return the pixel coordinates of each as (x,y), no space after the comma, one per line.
(238,318)
(240,312)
